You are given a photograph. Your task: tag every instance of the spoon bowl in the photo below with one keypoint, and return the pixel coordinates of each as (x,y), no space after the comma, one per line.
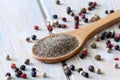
(82,35)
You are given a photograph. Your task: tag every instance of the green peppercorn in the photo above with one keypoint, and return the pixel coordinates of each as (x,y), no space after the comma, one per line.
(98,57)
(27,61)
(93,45)
(83,10)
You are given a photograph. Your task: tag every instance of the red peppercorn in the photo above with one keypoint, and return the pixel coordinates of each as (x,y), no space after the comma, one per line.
(76,26)
(118,36)
(50,28)
(24,75)
(76,18)
(64,19)
(89,8)
(83,16)
(13,66)
(116,59)
(63,26)
(84,51)
(109,45)
(95,3)
(36,27)
(80,14)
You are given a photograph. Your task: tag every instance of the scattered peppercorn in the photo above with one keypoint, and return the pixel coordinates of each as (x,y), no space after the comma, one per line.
(83,10)
(98,71)
(85,74)
(72,67)
(90,3)
(116,65)
(112,34)
(8,74)
(108,34)
(112,11)
(28,39)
(84,51)
(81,55)
(108,50)
(91,68)
(86,20)
(72,13)
(76,26)
(69,10)
(79,69)
(76,18)
(116,59)
(109,45)
(22,67)
(50,28)
(16,69)
(27,61)
(96,38)
(64,19)
(55,16)
(24,75)
(33,37)
(68,72)
(89,8)
(33,69)
(81,72)
(43,74)
(93,45)
(18,74)
(7,57)
(107,42)
(7,77)
(13,66)
(58,2)
(36,27)
(106,11)
(33,74)
(117,47)
(97,57)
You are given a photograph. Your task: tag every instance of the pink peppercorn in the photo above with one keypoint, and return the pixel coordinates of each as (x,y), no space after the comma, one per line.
(95,3)
(63,26)
(76,26)
(76,18)
(24,75)
(84,51)
(80,14)
(116,59)
(13,66)
(109,45)
(83,16)
(64,19)
(50,28)
(89,8)
(36,27)
(118,36)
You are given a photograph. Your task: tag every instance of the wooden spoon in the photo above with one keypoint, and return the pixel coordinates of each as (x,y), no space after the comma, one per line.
(82,35)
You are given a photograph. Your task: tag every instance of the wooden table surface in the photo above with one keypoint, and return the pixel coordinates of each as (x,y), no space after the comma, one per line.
(17,19)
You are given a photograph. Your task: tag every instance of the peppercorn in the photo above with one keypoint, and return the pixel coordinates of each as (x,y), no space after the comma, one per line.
(108,50)
(28,39)
(106,11)
(83,16)
(16,69)
(116,58)
(76,22)
(13,66)
(116,39)
(63,26)
(81,55)
(84,51)
(36,27)
(107,42)
(86,20)
(79,69)
(109,45)
(85,74)
(90,3)
(72,67)
(117,47)
(69,10)
(98,71)
(116,65)
(55,16)
(97,57)
(33,74)
(93,45)
(91,68)
(81,72)
(89,8)
(72,13)
(65,67)
(83,10)
(96,38)
(76,26)
(68,72)
(50,28)
(112,34)
(18,74)
(8,74)
(43,74)
(112,11)
(24,75)
(22,67)
(33,37)
(64,19)
(58,2)
(33,69)
(76,18)
(7,57)
(8,78)
(27,61)
(108,35)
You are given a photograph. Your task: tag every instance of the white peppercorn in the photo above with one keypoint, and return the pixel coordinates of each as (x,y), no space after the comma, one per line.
(7,77)
(116,65)
(98,71)
(7,57)
(108,50)
(43,74)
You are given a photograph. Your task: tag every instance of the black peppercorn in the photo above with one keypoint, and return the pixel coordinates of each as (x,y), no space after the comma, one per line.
(106,11)
(116,39)
(107,42)
(81,55)
(72,67)
(22,67)
(79,69)
(112,34)
(8,74)
(111,11)
(117,47)
(18,74)
(86,20)
(68,72)
(108,34)
(69,10)
(91,68)
(90,3)
(16,69)
(33,74)
(85,74)
(55,16)
(58,2)
(33,37)
(33,69)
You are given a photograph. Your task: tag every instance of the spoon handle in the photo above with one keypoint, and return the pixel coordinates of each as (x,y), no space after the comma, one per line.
(99,25)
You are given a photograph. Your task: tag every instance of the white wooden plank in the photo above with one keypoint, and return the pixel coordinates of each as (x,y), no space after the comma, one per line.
(17,18)
(107,65)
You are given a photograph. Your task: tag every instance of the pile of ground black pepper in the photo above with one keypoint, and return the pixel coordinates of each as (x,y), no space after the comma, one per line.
(55,46)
